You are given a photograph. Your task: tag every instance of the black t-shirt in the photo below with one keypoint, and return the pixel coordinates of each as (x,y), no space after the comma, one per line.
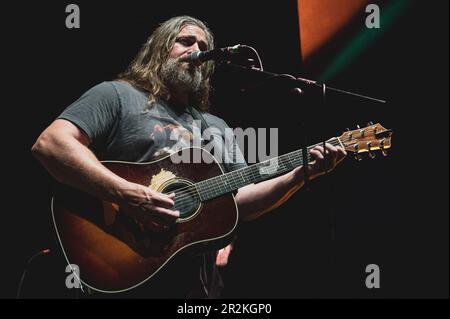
(122,126)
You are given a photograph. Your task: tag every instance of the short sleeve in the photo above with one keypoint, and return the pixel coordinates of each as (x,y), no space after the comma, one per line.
(96,112)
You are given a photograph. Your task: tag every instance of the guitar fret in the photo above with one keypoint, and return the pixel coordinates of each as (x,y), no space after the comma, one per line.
(242,177)
(199,192)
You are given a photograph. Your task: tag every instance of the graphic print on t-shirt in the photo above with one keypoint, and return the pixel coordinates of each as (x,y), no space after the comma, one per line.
(170,138)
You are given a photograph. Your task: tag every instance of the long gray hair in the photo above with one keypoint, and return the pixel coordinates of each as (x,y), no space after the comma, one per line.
(145,69)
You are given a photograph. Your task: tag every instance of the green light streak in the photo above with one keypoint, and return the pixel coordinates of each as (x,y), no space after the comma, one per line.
(363,40)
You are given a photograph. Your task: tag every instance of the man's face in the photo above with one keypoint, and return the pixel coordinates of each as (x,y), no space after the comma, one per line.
(185,75)
(190,38)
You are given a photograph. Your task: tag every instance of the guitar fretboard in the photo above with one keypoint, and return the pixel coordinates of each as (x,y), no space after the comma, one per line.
(229,182)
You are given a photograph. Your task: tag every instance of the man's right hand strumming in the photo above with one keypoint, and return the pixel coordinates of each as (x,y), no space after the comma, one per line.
(63,149)
(149,207)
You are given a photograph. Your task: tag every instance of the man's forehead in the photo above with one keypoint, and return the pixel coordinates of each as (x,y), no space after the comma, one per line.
(193,31)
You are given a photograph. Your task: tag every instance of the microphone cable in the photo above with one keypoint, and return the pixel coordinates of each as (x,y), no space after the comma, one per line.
(39,253)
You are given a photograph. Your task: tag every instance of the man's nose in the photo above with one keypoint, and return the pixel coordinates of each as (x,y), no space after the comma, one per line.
(194,47)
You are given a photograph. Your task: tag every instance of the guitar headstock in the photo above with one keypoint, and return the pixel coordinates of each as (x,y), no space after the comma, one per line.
(373,137)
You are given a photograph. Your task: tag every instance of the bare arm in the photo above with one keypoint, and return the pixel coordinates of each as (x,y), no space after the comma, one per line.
(257,199)
(63,150)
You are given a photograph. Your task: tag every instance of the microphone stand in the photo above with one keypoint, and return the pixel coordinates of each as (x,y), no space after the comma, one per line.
(295,82)
(297,85)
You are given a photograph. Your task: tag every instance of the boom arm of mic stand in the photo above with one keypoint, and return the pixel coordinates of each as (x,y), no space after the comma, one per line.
(293,82)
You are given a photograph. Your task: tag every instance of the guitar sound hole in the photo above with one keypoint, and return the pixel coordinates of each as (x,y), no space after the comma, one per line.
(187,200)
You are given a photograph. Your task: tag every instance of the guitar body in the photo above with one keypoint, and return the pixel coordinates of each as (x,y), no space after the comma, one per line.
(116,253)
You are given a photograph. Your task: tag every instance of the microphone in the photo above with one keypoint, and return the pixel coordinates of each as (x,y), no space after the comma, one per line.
(218,55)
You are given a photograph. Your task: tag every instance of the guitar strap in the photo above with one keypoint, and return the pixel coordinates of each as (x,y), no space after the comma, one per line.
(199,117)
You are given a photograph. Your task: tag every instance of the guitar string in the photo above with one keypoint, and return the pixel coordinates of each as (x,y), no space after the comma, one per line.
(188,191)
(187,197)
(248,175)
(244,168)
(293,161)
(185,203)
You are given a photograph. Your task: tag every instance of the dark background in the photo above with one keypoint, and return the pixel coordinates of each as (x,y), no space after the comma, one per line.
(391,211)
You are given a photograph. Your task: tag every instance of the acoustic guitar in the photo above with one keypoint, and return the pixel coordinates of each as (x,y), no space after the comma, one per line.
(116,253)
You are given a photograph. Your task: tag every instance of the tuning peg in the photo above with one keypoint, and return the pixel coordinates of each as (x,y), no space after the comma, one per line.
(384,152)
(372,155)
(358,127)
(370,123)
(358,157)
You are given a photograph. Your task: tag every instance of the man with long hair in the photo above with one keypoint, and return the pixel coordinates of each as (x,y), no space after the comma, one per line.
(134,119)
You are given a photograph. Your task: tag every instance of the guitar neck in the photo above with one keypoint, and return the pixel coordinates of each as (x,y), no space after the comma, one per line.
(229,182)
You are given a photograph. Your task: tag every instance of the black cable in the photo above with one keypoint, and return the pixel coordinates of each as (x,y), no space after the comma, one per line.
(39,253)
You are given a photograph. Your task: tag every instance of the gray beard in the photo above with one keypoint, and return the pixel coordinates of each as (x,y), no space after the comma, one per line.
(175,76)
